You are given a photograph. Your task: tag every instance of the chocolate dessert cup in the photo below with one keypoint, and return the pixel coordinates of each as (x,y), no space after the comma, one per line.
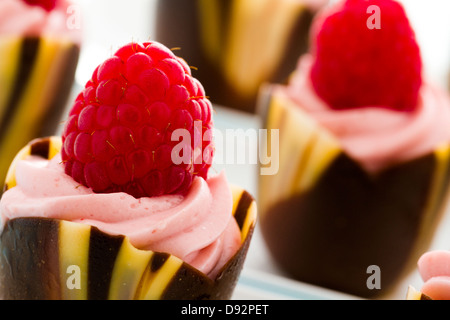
(326,220)
(40,257)
(236,45)
(36,77)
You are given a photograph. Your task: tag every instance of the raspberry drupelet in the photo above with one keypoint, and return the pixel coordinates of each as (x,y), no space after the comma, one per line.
(118,137)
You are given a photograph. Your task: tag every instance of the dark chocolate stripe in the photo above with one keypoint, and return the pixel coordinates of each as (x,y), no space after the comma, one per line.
(5,188)
(444,190)
(57,106)
(29,50)
(29,262)
(242,208)
(103,250)
(157,261)
(40,148)
(225,11)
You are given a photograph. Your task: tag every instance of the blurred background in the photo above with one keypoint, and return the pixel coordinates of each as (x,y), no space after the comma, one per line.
(109,24)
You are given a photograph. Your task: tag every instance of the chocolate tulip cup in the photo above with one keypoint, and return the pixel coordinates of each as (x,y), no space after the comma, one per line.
(36,77)
(236,45)
(326,220)
(40,257)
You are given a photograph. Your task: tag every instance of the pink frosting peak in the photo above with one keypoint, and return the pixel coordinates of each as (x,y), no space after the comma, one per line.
(197,227)
(17,18)
(434,267)
(377,136)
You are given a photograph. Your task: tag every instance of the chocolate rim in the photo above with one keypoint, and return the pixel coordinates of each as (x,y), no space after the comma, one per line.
(303,190)
(38,256)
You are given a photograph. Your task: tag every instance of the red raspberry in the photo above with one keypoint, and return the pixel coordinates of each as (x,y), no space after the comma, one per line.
(358,66)
(48,5)
(119,133)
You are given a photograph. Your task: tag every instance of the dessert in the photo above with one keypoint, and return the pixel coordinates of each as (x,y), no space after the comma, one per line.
(108,212)
(364,153)
(38,58)
(434,268)
(237,45)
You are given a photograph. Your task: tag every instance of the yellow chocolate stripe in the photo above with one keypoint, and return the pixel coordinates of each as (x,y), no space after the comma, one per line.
(73,260)
(211,33)
(306,150)
(35,98)
(413,294)
(156,282)
(244,210)
(129,267)
(259,31)
(10,48)
(437,192)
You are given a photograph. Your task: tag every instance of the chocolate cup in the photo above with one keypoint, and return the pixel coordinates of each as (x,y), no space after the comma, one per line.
(45,259)
(36,77)
(326,220)
(233,47)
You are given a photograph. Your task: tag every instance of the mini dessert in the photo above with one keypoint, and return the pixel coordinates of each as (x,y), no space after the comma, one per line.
(108,211)
(38,58)
(237,45)
(364,153)
(434,267)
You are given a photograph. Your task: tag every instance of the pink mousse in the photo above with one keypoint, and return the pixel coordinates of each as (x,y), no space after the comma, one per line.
(17,18)
(198,228)
(434,267)
(376,136)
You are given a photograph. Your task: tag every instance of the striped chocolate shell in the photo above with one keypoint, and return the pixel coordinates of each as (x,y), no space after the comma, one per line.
(55,259)
(36,76)
(336,219)
(236,45)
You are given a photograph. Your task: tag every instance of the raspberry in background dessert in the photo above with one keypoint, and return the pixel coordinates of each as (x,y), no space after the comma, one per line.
(39,55)
(237,45)
(364,153)
(109,199)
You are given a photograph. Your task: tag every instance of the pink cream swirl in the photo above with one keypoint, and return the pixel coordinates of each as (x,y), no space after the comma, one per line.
(17,18)
(434,268)
(197,227)
(375,136)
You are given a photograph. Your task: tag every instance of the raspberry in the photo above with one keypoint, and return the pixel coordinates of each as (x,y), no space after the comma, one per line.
(356,66)
(48,5)
(118,137)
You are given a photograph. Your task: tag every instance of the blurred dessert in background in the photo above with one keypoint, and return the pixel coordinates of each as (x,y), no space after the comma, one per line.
(236,45)
(434,268)
(364,153)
